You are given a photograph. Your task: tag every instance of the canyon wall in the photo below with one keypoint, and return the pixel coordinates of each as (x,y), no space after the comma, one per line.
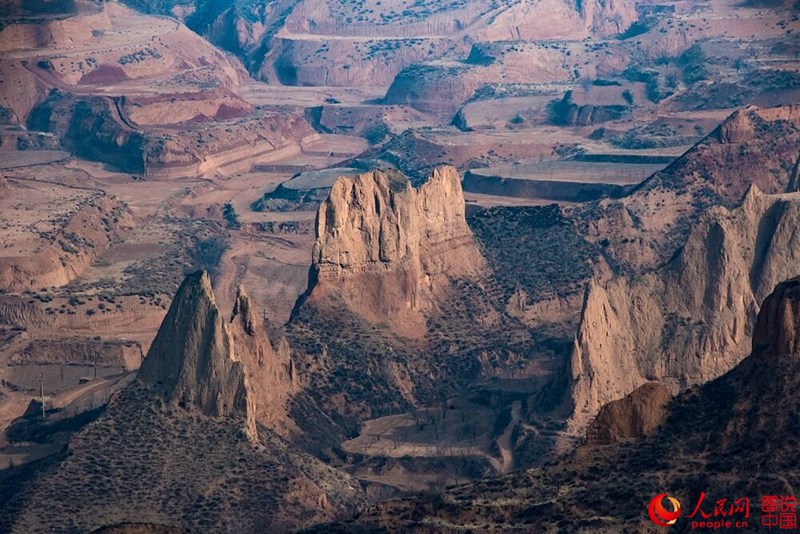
(692,320)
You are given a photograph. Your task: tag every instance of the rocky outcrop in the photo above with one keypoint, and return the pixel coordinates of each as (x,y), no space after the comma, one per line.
(269,368)
(388,249)
(766,384)
(567,112)
(633,416)
(87,127)
(191,362)
(777,332)
(690,321)
(754,146)
(741,428)
(185,428)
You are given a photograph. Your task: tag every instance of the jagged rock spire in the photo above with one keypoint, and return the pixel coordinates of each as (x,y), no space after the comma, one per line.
(268,365)
(389,250)
(192,360)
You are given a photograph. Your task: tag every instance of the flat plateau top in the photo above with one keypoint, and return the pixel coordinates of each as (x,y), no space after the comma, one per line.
(575,171)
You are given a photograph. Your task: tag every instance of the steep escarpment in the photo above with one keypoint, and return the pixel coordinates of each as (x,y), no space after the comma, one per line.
(100,129)
(388,250)
(88,128)
(402,308)
(569,112)
(754,146)
(179,446)
(222,146)
(692,320)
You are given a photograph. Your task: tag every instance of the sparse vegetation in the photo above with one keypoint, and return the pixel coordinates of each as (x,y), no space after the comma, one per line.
(230,216)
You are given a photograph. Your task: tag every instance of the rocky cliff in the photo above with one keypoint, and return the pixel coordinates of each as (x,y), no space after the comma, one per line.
(98,128)
(402,308)
(732,438)
(691,320)
(192,360)
(754,146)
(388,249)
(268,366)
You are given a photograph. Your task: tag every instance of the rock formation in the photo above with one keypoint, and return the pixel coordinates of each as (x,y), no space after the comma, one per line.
(754,146)
(732,438)
(269,369)
(571,113)
(401,308)
(388,249)
(690,321)
(178,446)
(634,416)
(97,128)
(191,361)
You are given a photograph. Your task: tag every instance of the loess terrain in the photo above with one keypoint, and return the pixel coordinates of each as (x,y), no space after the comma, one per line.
(339,265)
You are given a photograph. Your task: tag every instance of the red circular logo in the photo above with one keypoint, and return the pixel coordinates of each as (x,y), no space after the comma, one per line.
(660,515)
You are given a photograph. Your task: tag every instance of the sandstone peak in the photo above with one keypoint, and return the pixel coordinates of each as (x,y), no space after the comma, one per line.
(752,196)
(243,309)
(388,248)
(268,365)
(191,361)
(379,218)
